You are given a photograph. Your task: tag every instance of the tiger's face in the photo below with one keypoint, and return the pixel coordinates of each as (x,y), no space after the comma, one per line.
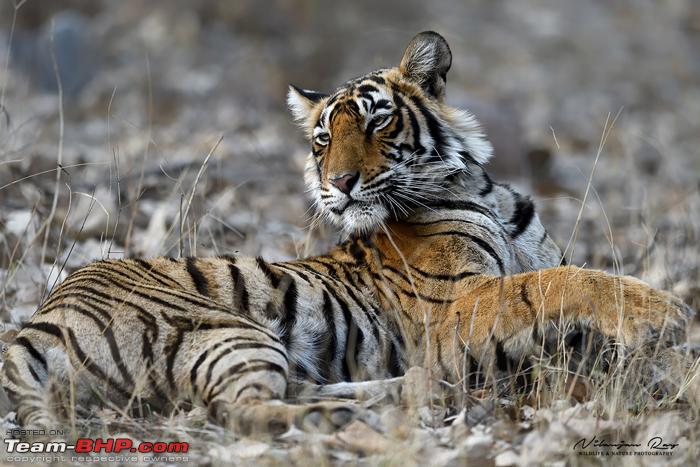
(385,143)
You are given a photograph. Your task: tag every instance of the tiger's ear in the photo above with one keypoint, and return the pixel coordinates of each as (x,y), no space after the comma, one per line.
(426,61)
(302,101)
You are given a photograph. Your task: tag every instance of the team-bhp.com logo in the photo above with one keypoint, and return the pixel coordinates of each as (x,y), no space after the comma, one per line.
(96,450)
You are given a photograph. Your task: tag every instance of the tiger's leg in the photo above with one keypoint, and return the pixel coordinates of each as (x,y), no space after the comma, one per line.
(410,390)
(241,377)
(511,310)
(379,390)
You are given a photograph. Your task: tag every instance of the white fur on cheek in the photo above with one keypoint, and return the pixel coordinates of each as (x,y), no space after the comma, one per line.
(468,127)
(311,178)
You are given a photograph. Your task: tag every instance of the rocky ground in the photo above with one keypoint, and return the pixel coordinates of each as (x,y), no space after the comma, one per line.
(169,111)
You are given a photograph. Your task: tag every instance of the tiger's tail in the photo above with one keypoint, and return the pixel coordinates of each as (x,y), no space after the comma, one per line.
(25,379)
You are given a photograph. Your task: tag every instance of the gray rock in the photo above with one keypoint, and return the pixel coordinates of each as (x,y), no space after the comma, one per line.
(74,47)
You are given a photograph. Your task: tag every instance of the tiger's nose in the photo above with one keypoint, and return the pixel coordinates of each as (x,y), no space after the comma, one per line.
(345,182)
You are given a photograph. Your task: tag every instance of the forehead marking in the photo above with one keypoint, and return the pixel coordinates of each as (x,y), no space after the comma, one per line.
(346,99)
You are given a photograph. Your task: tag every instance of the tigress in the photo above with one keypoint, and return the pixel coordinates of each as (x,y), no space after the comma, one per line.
(440,260)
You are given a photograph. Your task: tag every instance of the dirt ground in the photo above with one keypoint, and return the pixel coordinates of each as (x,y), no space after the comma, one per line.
(150,108)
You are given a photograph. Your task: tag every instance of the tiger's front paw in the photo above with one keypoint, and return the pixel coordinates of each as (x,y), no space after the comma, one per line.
(649,315)
(274,418)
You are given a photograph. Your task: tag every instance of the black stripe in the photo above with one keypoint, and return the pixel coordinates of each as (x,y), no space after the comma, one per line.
(480,242)
(400,105)
(182,294)
(257,386)
(108,333)
(85,297)
(239,289)
(158,276)
(395,367)
(104,299)
(132,290)
(357,252)
(16,397)
(376,78)
(199,280)
(418,149)
(212,364)
(138,274)
(24,342)
(367,88)
(93,367)
(345,310)
(434,128)
(356,338)
(350,325)
(352,107)
(193,372)
(347,317)
(439,277)
(410,293)
(190,324)
(330,268)
(265,268)
(460,205)
(147,355)
(34,374)
(398,125)
(189,297)
(289,316)
(309,94)
(478,225)
(349,276)
(171,349)
(111,267)
(231,348)
(248,366)
(47,328)
(13,374)
(382,104)
(522,216)
(314,272)
(332,350)
(466,155)
(488,187)
(291,267)
(371,312)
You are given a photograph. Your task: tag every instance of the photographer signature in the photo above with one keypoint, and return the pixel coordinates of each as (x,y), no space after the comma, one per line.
(656,443)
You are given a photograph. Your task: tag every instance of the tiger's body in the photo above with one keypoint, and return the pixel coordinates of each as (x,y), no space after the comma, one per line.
(440,258)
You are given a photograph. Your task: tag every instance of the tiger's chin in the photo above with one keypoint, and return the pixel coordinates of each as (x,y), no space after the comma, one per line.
(361,218)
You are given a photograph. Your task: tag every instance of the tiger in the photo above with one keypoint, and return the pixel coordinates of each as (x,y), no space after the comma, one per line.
(439,264)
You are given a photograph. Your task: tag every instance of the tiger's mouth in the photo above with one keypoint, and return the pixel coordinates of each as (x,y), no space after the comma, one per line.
(357,216)
(348,204)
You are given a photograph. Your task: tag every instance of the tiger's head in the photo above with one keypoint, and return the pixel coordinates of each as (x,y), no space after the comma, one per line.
(386,143)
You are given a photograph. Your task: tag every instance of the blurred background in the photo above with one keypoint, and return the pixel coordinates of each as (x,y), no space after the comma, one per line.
(131,100)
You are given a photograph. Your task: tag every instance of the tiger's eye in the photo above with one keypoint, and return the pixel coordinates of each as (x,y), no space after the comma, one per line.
(381,121)
(322,139)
